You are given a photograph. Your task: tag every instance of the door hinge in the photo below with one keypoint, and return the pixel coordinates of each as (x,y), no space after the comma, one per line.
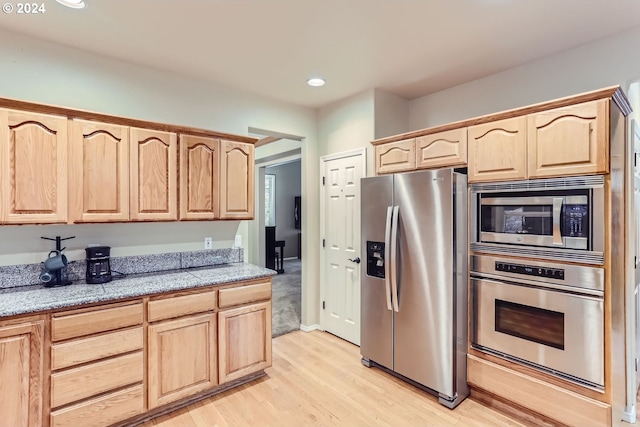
(324,305)
(636,364)
(323,243)
(323,180)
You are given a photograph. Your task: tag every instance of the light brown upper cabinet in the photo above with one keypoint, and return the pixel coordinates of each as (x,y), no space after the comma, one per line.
(497,150)
(33,160)
(153,175)
(395,157)
(199,177)
(236,180)
(99,178)
(569,140)
(448,148)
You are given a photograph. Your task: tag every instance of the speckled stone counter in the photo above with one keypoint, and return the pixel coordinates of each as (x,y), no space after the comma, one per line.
(34,299)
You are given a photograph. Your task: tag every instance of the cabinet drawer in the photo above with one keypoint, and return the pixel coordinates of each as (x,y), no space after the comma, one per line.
(181,305)
(95,321)
(86,381)
(244,294)
(86,350)
(101,411)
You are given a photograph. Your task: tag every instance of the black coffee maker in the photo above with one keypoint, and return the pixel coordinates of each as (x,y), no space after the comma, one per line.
(98,264)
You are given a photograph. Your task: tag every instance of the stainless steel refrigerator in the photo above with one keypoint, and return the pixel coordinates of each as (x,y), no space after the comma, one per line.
(414,279)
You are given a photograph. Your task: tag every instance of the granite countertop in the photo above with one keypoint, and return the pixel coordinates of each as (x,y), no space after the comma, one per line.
(34,299)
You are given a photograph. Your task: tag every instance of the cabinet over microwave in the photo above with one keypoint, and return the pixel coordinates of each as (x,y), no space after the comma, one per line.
(557,218)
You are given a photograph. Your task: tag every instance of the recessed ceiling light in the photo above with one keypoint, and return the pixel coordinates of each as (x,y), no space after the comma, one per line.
(76,4)
(316,81)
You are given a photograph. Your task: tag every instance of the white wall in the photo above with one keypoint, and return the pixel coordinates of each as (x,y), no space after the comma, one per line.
(391,114)
(608,62)
(347,125)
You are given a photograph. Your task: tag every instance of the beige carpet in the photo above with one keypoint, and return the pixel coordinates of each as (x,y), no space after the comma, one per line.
(286,298)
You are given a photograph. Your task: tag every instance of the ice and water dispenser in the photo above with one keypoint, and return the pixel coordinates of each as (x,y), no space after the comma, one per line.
(375,259)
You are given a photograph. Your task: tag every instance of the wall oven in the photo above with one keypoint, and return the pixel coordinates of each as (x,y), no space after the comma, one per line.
(558,218)
(549,316)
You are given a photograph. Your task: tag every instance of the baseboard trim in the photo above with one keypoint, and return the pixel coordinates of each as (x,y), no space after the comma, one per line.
(629,415)
(309,328)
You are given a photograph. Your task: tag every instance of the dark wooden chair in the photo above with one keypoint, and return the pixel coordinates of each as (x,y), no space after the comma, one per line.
(274,250)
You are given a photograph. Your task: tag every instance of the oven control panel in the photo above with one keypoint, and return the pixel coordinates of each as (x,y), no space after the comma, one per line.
(529,270)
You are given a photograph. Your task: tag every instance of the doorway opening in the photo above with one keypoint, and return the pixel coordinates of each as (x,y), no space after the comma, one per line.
(278,228)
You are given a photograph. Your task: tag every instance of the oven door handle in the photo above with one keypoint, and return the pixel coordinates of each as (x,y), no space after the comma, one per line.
(387,257)
(557,214)
(583,293)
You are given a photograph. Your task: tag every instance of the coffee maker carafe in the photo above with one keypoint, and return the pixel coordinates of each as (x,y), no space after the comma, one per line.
(98,264)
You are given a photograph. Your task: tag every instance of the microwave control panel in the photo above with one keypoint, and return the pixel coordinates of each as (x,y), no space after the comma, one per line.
(375,259)
(575,221)
(529,270)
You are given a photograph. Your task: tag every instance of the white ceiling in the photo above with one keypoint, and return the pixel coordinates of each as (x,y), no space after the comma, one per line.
(270,47)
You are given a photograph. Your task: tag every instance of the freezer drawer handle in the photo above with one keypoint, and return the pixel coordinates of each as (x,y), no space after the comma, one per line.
(387,268)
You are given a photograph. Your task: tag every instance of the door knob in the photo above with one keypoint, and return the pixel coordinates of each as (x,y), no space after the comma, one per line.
(357,260)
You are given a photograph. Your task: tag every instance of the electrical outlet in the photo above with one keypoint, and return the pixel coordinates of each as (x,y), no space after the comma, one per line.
(238,241)
(208,243)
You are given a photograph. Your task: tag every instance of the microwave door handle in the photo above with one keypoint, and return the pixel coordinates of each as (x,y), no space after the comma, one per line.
(387,257)
(394,257)
(557,213)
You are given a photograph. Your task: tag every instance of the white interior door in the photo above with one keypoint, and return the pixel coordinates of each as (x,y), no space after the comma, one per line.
(341,244)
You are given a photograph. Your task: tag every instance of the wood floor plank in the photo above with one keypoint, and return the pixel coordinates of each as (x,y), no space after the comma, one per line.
(317,380)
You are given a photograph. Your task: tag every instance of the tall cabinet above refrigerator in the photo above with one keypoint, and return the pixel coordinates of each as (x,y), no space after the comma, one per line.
(414,279)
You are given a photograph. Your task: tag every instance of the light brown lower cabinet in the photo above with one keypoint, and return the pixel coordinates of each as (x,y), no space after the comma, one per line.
(181,359)
(103,365)
(97,363)
(565,406)
(244,340)
(21,374)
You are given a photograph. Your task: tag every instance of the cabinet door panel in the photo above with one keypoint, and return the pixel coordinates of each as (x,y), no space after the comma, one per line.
(497,150)
(244,340)
(21,357)
(199,177)
(181,358)
(34,167)
(442,149)
(571,140)
(397,156)
(99,178)
(153,175)
(236,180)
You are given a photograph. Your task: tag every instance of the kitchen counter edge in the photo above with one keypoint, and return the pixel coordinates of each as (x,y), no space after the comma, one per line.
(38,299)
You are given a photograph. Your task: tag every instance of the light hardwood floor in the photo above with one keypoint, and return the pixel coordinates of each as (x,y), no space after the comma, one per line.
(317,380)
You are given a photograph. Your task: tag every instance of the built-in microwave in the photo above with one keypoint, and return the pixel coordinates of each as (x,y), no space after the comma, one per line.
(557,218)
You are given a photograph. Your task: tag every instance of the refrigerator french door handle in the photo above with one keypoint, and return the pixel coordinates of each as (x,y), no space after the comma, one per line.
(387,257)
(394,257)
(557,211)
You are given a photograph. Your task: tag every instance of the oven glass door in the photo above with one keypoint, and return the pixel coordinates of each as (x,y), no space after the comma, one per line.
(556,331)
(551,221)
